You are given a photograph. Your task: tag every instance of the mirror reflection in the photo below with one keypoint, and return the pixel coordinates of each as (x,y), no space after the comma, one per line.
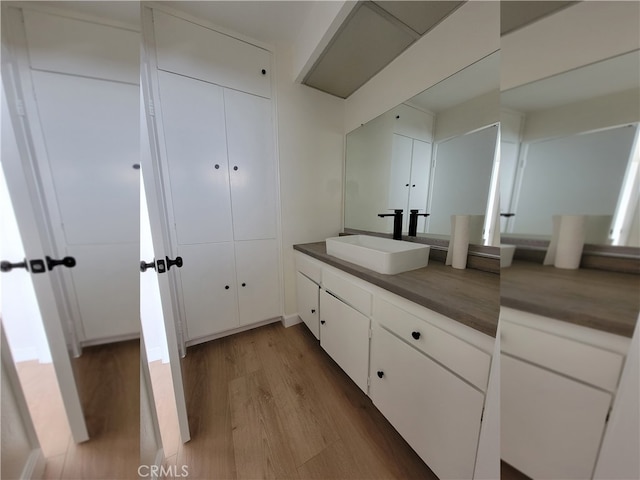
(569,146)
(434,153)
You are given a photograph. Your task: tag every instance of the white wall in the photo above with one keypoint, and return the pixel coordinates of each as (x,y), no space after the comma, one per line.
(601,112)
(467,116)
(468,35)
(579,35)
(310,144)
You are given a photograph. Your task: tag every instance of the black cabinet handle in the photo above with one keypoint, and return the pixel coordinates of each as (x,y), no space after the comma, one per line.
(415,335)
(322,322)
(68,262)
(507,215)
(380,374)
(216,166)
(244,284)
(235,168)
(264,72)
(313,310)
(6,266)
(144,266)
(406,184)
(226,287)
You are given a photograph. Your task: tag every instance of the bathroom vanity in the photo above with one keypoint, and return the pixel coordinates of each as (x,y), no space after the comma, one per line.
(564,337)
(419,343)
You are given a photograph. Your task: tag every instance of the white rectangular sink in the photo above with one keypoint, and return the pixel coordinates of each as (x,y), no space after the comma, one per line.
(381,255)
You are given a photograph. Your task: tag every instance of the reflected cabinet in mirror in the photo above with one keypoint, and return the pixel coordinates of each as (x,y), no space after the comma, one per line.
(569,146)
(435,153)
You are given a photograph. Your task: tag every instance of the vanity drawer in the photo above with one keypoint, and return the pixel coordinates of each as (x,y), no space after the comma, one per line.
(347,290)
(459,356)
(309,267)
(593,365)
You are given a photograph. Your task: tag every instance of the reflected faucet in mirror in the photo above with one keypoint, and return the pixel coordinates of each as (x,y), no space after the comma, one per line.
(413,221)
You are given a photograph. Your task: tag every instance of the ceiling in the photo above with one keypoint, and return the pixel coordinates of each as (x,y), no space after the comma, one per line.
(371,37)
(609,76)
(517,14)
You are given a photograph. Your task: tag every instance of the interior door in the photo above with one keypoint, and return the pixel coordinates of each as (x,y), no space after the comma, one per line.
(420,179)
(400,174)
(21,454)
(36,243)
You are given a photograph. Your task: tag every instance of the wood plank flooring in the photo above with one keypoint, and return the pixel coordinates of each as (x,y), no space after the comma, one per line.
(270,403)
(108,379)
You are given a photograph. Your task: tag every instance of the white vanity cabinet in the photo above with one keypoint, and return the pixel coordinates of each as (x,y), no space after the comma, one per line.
(558,382)
(308,303)
(435,411)
(425,372)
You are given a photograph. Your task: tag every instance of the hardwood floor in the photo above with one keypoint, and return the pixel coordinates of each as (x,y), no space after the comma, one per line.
(269,403)
(108,378)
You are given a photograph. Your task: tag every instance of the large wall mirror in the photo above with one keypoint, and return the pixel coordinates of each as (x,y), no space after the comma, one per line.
(436,153)
(570,145)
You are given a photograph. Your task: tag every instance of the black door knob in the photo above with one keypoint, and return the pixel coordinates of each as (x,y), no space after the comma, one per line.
(177,262)
(144,266)
(380,374)
(68,262)
(6,266)
(415,335)
(322,322)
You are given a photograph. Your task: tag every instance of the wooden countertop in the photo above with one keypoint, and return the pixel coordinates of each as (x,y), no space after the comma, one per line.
(607,301)
(471,297)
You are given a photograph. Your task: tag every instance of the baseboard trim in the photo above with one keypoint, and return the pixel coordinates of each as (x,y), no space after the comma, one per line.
(34,466)
(244,328)
(290,320)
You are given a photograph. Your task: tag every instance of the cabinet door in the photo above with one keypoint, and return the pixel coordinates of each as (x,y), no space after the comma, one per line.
(196,151)
(308,298)
(400,174)
(257,280)
(344,334)
(208,288)
(420,174)
(252,163)
(434,410)
(551,426)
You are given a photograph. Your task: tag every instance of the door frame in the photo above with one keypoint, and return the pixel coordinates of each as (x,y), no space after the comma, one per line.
(153,174)
(23,183)
(35,463)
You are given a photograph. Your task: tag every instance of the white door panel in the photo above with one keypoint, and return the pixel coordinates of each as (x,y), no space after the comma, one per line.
(258,282)
(252,165)
(435,411)
(400,173)
(344,335)
(107,285)
(91,134)
(420,175)
(551,426)
(210,307)
(195,140)
(189,49)
(79,47)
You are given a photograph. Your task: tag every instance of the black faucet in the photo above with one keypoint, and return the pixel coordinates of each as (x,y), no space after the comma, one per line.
(413,222)
(397,222)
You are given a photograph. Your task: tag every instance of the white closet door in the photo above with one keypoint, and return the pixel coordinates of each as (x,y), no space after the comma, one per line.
(90,129)
(195,140)
(400,173)
(208,288)
(420,173)
(252,165)
(258,280)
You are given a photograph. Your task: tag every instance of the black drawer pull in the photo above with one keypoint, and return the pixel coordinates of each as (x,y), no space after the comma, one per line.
(415,335)
(313,310)
(322,322)
(380,374)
